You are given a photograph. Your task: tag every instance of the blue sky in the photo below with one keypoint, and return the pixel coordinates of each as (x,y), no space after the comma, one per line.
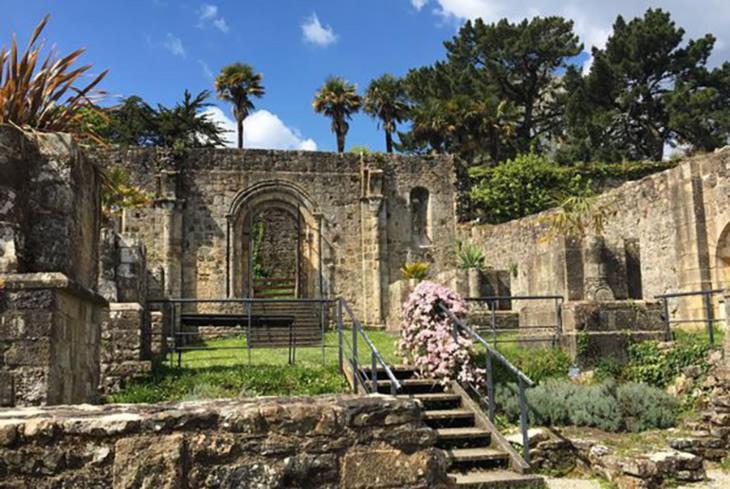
(158,48)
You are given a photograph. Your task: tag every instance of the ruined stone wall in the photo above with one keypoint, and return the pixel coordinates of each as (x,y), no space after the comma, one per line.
(49,340)
(323,443)
(675,223)
(279,244)
(50,208)
(359,206)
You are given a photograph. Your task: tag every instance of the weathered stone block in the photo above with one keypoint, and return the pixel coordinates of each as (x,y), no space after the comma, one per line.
(149,462)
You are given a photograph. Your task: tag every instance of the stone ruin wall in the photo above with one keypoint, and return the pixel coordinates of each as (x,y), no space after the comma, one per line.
(50,316)
(675,222)
(323,442)
(363,203)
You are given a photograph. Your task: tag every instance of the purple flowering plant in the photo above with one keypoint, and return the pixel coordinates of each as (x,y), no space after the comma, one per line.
(428,341)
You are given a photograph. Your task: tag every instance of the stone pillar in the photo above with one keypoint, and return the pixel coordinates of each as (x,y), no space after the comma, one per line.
(595,274)
(372,253)
(50,336)
(475,282)
(727,330)
(172,221)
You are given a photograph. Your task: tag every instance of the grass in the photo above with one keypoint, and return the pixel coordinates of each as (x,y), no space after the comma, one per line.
(228,373)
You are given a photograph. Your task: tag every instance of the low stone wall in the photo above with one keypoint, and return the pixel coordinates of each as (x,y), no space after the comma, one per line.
(125,346)
(322,442)
(551,452)
(49,340)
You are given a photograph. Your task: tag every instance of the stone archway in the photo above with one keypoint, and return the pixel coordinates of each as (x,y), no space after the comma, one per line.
(722,259)
(286,198)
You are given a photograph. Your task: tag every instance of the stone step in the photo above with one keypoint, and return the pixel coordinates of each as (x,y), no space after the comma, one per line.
(412,386)
(400,371)
(449,418)
(497,479)
(466,437)
(468,459)
(436,401)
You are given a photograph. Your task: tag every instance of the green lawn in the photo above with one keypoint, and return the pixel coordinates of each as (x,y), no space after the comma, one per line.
(229,373)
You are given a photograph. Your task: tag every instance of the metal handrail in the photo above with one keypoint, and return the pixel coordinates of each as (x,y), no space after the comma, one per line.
(375,356)
(709,319)
(523,381)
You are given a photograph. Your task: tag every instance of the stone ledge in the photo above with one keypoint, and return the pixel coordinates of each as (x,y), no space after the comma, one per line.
(51,280)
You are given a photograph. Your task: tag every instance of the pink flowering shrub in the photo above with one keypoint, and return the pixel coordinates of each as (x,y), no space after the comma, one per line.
(427,337)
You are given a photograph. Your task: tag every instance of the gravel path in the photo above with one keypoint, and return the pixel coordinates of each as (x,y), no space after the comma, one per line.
(716,480)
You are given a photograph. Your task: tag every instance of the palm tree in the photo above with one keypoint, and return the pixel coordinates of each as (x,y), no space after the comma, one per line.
(237,83)
(338,99)
(385,99)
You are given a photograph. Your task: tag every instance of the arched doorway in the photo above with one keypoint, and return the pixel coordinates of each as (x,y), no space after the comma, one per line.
(722,260)
(274,231)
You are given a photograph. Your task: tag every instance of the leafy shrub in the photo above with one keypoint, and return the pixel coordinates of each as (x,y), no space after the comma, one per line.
(427,337)
(644,407)
(630,407)
(470,256)
(648,365)
(417,270)
(539,364)
(531,183)
(596,406)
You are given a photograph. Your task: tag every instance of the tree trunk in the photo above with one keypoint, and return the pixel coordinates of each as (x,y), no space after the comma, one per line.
(240,133)
(340,142)
(388,142)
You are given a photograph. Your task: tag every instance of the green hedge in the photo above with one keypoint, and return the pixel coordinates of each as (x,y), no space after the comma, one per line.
(532,183)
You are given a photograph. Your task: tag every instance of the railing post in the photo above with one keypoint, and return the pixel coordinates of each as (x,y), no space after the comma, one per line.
(558,320)
(373,373)
(524,428)
(355,368)
(339,335)
(494,321)
(667,322)
(248,330)
(710,316)
(490,386)
(321,324)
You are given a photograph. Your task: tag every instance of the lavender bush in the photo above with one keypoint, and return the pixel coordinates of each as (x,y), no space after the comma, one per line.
(427,338)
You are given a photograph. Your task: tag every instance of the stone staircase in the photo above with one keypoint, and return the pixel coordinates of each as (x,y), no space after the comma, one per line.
(480,458)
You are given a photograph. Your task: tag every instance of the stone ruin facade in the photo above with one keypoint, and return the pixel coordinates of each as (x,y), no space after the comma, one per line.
(75,296)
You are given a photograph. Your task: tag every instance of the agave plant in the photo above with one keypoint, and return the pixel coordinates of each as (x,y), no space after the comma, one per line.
(470,256)
(44,95)
(415,271)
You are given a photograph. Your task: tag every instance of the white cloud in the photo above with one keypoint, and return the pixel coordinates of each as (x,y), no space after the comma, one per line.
(208,14)
(206,69)
(174,45)
(316,33)
(262,129)
(593,20)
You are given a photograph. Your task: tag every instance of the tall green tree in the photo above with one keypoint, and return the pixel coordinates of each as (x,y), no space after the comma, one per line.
(338,100)
(386,100)
(498,92)
(187,125)
(132,123)
(647,88)
(237,84)
(521,61)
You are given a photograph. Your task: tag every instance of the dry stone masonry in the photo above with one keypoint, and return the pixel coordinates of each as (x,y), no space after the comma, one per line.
(325,442)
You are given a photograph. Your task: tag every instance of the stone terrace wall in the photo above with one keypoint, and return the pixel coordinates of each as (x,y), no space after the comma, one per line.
(327,442)
(679,218)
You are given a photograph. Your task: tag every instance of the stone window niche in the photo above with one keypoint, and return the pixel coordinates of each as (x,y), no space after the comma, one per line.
(421,227)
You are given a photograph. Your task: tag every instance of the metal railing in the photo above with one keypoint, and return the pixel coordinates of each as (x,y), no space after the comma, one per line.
(553,331)
(523,381)
(180,339)
(357,334)
(709,311)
